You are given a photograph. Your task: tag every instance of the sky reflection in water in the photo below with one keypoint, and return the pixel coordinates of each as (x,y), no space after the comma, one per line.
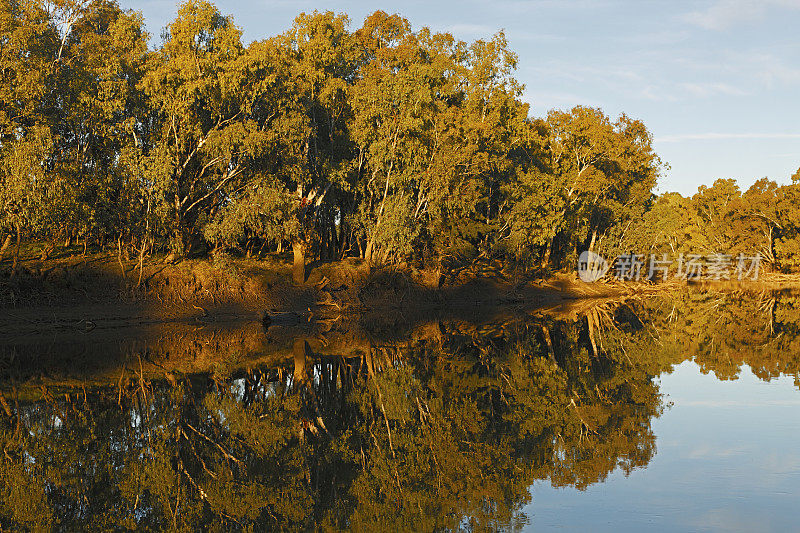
(727,460)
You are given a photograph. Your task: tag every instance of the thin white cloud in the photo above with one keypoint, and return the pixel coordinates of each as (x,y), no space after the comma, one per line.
(525,35)
(669,37)
(748,71)
(712,89)
(772,70)
(724,136)
(724,14)
(528,6)
(658,94)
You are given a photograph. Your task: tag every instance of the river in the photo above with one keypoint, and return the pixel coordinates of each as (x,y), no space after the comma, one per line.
(671,412)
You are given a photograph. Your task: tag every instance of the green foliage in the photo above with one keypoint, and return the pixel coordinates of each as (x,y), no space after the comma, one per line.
(383,142)
(722,220)
(29,198)
(587,180)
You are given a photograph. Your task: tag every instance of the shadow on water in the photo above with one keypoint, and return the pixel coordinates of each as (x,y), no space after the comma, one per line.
(373,422)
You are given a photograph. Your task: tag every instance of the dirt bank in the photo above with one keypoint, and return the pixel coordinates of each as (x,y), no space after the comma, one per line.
(75,294)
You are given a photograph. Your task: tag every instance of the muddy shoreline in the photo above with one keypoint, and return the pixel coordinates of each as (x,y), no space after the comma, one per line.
(91,325)
(80,298)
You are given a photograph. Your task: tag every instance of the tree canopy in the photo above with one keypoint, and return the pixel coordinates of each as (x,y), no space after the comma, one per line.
(385,142)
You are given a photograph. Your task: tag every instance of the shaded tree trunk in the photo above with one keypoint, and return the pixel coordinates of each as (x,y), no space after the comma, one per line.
(141,260)
(180,237)
(119,256)
(343,240)
(6,244)
(16,253)
(51,246)
(333,246)
(368,251)
(770,248)
(299,265)
(547,251)
(371,243)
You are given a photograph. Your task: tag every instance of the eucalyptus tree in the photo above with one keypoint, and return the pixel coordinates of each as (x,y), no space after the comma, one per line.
(529,212)
(666,227)
(202,143)
(787,244)
(714,205)
(434,122)
(311,125)
(383,142)
(70,70)
(388,105)
(99,62)
(298,83)
(28,199)
(483,127)
(597,175)
(26,54)
(28,41)
(757,218)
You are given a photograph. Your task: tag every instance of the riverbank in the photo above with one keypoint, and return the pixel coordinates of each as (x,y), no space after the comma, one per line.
(80,321)
(69,281)
(75,292)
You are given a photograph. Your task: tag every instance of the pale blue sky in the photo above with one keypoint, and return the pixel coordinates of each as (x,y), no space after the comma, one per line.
(716,81)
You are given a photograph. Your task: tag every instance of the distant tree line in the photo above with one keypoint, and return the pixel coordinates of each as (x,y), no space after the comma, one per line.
(383,143)
(721,219)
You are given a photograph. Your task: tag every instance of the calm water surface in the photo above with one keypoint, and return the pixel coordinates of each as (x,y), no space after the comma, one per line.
(676,413)
(727,460)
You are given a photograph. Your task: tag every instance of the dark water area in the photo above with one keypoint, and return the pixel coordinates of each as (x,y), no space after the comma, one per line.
(670,413)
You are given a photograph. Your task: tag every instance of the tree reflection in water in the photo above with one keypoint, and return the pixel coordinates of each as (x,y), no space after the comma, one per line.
(444,429)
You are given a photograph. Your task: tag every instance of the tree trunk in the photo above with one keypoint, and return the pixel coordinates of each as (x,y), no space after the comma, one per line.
(299,265)
(333,246)
(16,253)
(594,238)
(119,256)
(548,248)
(371,243)
(46,251)
(50,247)
(72,238)
(180,244)
(6,244)
(141,261)
(368,251)
(342,240)
(770,247)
